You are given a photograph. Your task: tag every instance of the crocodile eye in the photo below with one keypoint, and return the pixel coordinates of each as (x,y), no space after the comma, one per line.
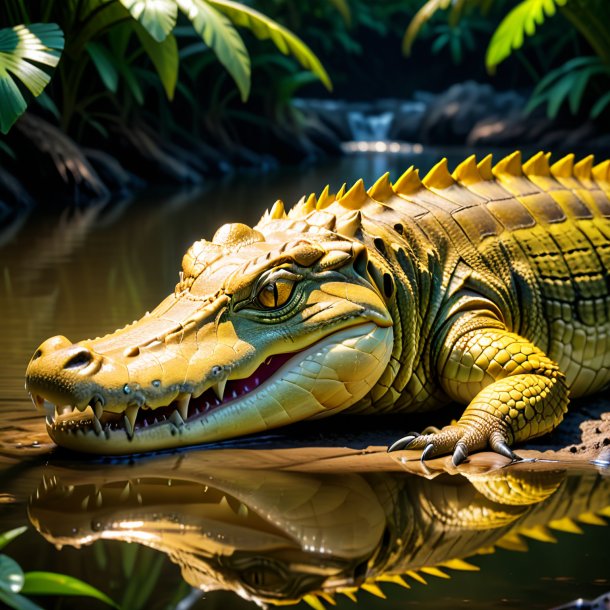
(275,294)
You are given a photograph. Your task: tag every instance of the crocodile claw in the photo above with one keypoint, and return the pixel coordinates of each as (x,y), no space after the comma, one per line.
(404,442)
(428,450)
(458,440)
(498,444)
(460,453)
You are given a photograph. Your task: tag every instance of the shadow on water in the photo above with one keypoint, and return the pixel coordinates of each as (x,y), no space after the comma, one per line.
(272,518)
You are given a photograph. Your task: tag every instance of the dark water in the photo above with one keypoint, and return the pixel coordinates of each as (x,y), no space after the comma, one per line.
(269,518)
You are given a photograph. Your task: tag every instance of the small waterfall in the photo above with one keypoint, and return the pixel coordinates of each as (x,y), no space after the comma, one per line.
(369,127)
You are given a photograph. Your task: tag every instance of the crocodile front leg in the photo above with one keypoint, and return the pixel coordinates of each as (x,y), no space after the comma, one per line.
(513,390)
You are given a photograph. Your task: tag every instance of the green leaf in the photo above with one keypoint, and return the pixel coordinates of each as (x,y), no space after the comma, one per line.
(6,537)
(45,101)
(581,81)
(158,17)
(18,602)
(11,575)
(164,56)
(132,83)
(521,21)
(104,64)
(558,95)
(425,13)
(264,28)
(22,48)
(600,105)
(220,35)
(342,7)
(50,583)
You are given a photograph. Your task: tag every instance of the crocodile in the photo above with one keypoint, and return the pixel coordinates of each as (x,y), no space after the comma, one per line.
(488,286)
(275,535)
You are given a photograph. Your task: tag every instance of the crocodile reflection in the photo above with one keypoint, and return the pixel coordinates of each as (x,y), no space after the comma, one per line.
(278,536)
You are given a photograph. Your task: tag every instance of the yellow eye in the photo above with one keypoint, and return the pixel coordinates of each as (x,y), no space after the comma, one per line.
(275,294)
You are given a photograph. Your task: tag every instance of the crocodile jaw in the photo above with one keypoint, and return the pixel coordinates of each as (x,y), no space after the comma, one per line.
(327,377)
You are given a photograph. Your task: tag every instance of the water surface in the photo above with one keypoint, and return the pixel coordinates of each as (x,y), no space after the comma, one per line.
(275,517)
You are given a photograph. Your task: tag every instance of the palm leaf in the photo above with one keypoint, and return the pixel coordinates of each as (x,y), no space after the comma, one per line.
(424,14)
(220,35)
(158,17)
(164,56)
(21,49)
(265,28)
(520,22)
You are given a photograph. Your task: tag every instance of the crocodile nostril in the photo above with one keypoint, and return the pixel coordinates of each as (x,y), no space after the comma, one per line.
(80,359)
(37,354)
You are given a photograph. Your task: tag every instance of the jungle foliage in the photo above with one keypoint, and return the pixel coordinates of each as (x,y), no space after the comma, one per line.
(578,83)
(100,32)
(16,585)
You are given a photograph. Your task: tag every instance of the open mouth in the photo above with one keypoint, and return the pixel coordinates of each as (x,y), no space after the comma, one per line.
(183,409)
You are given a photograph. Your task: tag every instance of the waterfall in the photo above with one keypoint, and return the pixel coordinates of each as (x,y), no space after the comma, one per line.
(369,127)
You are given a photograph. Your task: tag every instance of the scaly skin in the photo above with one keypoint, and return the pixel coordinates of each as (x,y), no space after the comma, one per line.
(490,287)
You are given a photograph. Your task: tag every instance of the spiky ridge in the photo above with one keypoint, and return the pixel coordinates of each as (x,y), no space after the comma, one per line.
(470,171)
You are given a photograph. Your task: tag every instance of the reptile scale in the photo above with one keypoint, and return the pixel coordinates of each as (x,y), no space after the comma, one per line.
(488,287)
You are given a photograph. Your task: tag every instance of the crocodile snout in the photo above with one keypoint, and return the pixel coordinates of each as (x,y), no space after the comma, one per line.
(56,367)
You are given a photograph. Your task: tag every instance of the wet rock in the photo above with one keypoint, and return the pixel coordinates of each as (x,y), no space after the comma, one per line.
(453,115)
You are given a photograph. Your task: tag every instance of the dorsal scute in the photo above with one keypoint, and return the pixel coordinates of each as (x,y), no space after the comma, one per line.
(601,171)
(356,197)
(408,183)
(509,166)
(321,219)
(537,165)
(582,169)
(382,189)
(467,171)
(277,210)
(438,177)
(325,198)
(485,167)
(312,202)
(348,225)
(564,167)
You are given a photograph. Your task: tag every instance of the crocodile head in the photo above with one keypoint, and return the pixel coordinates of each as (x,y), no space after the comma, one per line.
(266,327)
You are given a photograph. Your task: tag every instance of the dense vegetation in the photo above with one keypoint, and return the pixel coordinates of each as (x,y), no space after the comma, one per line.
(176,89)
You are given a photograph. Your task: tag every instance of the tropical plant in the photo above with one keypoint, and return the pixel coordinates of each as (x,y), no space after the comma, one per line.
(86,22)
(15,584)
(23,52)
(591,18)
(567,85)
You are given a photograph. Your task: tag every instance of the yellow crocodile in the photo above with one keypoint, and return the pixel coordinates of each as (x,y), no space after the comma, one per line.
(489,286)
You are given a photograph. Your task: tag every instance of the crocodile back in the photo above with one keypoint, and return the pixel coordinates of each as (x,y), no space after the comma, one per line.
(532,238)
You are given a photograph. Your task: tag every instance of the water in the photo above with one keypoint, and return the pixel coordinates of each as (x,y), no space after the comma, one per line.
(275,517)
(370,127)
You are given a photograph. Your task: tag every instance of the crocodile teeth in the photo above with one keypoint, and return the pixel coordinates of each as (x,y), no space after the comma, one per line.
(183,405)
(97,426)
(126,492)
(98,409)
(219,388)
(37,400)
(176,419)
(129,419)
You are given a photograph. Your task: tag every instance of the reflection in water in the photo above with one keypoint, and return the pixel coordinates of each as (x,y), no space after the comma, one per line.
(364,519)
(297,527)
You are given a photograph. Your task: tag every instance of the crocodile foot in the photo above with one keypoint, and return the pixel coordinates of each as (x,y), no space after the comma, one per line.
(458,439)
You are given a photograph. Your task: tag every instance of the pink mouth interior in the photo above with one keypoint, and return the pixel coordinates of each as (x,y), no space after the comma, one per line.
(208,401)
